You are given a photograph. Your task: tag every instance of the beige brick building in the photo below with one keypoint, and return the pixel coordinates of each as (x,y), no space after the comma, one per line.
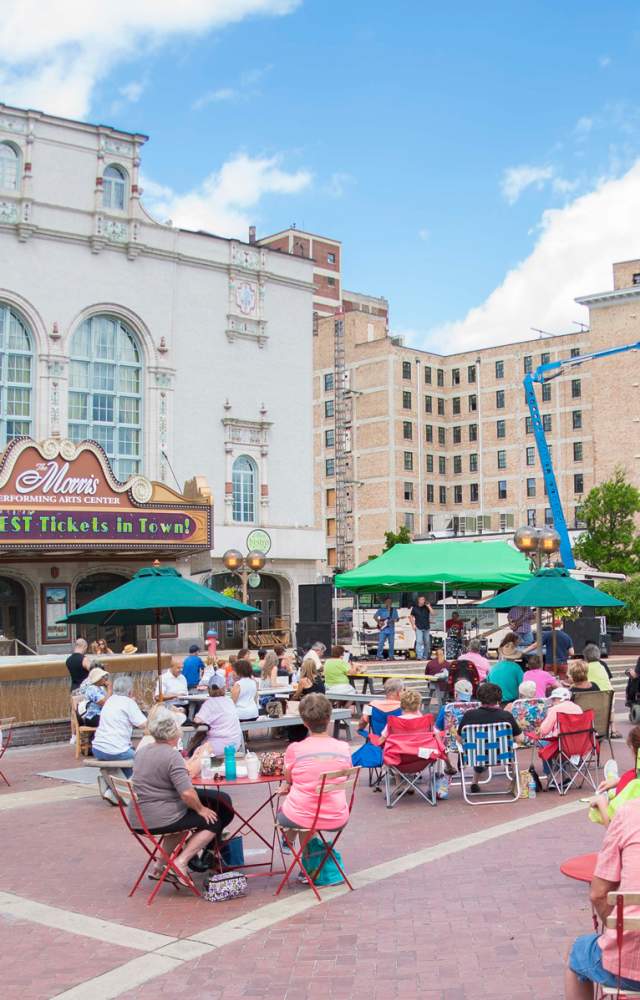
(444,444)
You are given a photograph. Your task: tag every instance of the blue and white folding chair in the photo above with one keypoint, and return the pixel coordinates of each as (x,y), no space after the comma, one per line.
(488,747)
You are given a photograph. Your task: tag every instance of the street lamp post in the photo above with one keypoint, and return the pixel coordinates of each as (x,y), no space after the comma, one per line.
(537,543)
(242,567)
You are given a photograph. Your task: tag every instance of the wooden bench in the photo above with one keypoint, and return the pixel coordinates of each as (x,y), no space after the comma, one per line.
(340,717)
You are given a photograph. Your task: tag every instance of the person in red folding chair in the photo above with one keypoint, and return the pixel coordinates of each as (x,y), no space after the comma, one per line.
(410,748)
(168,802)
(303,811)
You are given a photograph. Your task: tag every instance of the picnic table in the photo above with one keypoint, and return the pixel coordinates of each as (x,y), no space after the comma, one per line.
(370,675)
(339,717)
(197,698)
(367,699)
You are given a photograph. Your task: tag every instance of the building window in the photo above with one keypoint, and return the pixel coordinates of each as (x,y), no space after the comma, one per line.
(244,479)
(499,369)
(105,391)
(545,358)
(9,164)
(457,464)
(531,487)
(528,425)
(408,461)
(430,492)
(474,493)
(440,377)
(328,382)
(408,491)
(407,430)
(331,496)
(548,517)
(576,419)
(456,406)
(331,282)
(427,375)
(471,373)
(575,352)
(442,436)
(406,369)
(502,459)
(546,422)
(114,188)
(455,376)
(531,455)
(531,517)
(502,489)
(331,258)
(442,465)
(329,467)
(442,492)
(429,463)
(457,435)
(501,428)
(16,376)
(577,451)
(328,407)
(428,404)
(428,433)
(473,462)
(527,364)
(473,432)
(576,388)
(578,483)
(330,438)
(441,407)
(500,399)
(409,520)
(457,494)
(473,404)
(406,400)
(546,392)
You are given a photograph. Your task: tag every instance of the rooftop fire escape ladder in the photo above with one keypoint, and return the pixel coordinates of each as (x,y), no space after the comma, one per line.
(344,554)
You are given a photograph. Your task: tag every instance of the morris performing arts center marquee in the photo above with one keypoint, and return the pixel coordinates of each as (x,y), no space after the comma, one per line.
(68,525)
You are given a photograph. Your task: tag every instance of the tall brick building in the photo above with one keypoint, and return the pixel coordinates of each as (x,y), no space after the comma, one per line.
(444,444)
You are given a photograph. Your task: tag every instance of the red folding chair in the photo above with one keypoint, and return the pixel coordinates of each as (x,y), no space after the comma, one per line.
(411,749)
(570,755)
(6,731)
(124,792)
(344,781)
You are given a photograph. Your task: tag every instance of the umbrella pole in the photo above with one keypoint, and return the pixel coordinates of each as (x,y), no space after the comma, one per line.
(554,638)
(444,618)
(539,633)
(158,656)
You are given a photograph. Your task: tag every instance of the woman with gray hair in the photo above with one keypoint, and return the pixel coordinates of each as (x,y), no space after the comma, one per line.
(167,799)
(120,715)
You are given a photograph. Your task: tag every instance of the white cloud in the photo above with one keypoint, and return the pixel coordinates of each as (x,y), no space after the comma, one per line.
(133,91)
(515,180)
(212,96)
(583,126)
(246,88)
(52,54)
(573,257)
(221,203)
(338,183)
(423,234)
(604,61)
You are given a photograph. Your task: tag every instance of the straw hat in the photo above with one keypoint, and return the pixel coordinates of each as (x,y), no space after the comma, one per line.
(96,674)
(129,650)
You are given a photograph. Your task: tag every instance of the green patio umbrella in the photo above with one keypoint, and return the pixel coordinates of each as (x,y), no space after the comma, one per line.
(159,595)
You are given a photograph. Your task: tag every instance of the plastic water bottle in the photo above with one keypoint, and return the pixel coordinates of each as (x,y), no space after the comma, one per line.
(230,762)
(532,789)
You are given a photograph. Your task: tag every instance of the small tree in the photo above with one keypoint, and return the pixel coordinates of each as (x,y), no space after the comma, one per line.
(627,591)
(610,542)
(400,537)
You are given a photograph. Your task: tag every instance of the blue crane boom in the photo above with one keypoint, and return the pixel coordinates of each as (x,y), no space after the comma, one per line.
(546,373)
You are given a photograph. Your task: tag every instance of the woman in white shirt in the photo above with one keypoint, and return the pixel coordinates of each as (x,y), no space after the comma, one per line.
(174,684)
(120,715)
(245,691)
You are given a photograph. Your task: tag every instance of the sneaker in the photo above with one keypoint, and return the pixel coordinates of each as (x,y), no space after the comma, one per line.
(284,847)
(475,787)
(302,879)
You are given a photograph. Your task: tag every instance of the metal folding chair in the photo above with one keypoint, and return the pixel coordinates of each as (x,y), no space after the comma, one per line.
(124,792)
(6,732)
(488,746)
(570,755)
(345,781)
(621,924)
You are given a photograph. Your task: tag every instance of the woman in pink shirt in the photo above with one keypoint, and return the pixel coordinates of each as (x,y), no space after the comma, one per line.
(561,704)
(304,764)
(542,679)
(479,661)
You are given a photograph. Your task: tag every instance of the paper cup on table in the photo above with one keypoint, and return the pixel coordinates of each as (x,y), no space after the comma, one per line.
(253,766)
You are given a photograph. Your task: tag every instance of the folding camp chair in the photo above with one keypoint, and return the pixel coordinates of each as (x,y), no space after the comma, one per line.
(619,922)
(83,734)
(124,792)
(411,749)
(488,746)
(344,781)
(601,702)
(369,755)
(570,755)
(6,735)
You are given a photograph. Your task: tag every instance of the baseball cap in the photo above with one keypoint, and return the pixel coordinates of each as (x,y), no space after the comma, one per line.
(194,648)
(463,689)
(560,694)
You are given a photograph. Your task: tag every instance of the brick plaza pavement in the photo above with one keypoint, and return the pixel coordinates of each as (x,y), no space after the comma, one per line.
(454,903)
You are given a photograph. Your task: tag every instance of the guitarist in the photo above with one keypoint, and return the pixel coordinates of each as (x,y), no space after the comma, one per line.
(386,618)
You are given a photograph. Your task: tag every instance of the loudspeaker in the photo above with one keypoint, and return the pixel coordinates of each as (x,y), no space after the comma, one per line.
(315,602)
(309,632)
(583,631)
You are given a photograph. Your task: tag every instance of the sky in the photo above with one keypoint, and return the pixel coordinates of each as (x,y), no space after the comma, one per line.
(480,163)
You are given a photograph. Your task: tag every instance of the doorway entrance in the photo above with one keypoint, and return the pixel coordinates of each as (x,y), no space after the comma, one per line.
(95,585)
(13,610)
(266,597)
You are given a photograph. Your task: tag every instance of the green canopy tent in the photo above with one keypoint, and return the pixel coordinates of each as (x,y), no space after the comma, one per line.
(159,595)
(431,565)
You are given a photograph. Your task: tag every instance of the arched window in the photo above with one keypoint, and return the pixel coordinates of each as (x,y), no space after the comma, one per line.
(245,489)
(16,376)
(114,187)
(9,162)
(105,391)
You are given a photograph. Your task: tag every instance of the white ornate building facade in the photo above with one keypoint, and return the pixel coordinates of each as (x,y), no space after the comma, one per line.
(181,353)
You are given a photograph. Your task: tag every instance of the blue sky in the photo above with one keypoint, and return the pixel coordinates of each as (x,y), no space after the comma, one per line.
(476,162)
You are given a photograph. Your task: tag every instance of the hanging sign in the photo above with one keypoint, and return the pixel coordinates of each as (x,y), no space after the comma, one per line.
(259,540)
